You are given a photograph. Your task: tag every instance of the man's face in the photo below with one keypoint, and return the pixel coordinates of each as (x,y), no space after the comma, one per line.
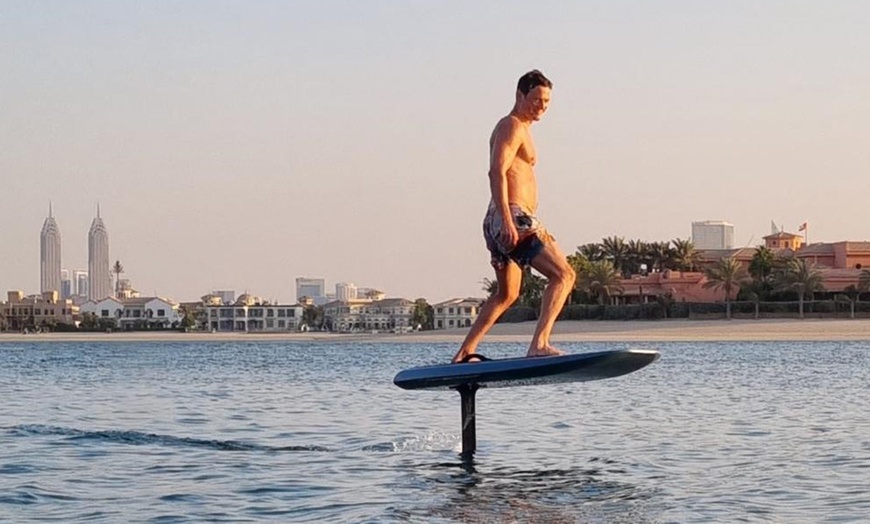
(535,103)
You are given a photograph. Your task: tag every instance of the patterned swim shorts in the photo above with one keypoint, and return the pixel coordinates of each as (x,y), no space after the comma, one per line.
(531,242)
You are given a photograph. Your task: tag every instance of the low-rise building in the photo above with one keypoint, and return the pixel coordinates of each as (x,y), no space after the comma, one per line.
(456,313)
(386,314)
(43,311)
(250,315)
(136,313)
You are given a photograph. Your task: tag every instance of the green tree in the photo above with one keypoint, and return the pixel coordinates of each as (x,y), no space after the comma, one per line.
(591,252)
(659,255)
(801,277)
(423,315)
(580,264)
(762,264)
(685,256)
(637,253)
(850,295)
(726,274)
(864,281)
(615,250)
(601,281)
(312,316)
(88,322)
(490,286)
(532,289)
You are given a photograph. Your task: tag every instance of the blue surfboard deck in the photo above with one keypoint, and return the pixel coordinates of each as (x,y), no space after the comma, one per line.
(527,371)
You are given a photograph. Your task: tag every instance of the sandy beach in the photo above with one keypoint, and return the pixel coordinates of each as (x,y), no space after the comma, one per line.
(565,331)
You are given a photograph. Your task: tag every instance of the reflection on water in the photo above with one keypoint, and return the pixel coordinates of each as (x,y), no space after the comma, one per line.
(480,491)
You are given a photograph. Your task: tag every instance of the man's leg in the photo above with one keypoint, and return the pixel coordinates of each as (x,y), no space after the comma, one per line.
(553,264)
(509,279)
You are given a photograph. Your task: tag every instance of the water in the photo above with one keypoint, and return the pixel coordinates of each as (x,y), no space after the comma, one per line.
(316,432)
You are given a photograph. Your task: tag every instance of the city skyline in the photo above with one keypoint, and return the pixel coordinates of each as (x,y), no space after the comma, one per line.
(238,146)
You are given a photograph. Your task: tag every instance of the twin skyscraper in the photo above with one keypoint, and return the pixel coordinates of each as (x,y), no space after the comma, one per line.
(99,271)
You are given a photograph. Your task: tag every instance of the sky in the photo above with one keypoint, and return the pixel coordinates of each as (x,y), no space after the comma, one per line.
(241,144)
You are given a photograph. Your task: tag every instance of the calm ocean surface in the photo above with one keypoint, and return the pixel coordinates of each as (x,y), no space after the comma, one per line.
(315,432)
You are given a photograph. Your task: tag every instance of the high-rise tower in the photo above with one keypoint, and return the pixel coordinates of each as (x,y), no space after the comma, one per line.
(49,255)
(99,277)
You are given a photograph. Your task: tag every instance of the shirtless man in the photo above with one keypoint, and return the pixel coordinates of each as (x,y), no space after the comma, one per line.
(513,234)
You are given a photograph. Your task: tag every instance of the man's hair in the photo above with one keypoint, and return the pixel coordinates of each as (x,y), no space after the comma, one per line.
(531,80)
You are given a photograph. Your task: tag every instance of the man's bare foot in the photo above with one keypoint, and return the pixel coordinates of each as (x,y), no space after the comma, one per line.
(462,358)
(546,351)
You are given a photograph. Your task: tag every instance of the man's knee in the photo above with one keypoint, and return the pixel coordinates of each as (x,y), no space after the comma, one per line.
(506,297)
(570,275)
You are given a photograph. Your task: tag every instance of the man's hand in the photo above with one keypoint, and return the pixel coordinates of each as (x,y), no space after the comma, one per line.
(509,236)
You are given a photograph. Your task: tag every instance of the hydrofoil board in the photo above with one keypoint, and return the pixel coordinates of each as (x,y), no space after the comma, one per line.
(527,371)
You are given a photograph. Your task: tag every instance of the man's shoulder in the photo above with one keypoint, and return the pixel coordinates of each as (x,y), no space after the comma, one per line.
(509,124)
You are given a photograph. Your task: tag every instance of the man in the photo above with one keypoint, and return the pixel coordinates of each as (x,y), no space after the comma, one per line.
(513,234)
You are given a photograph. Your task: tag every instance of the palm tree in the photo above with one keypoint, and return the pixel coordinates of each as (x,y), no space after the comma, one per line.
(117,269)
(637,253)
(850,295)
(591,251)
(601,280)
(615,250)
(762,263)
(801,277)
(685,255)
(658,254)
(726,274)
(532,289)
(490,286)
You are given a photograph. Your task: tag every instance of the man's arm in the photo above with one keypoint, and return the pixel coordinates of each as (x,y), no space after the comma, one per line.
(507,139)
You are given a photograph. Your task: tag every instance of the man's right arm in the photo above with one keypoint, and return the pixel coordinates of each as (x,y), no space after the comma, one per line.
(507,139)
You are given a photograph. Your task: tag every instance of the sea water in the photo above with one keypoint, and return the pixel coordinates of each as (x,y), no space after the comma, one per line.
(261,431)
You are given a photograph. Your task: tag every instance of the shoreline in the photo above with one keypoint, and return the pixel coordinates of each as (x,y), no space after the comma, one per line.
(679,330)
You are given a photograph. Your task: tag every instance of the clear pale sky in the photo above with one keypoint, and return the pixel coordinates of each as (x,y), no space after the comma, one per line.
(238,145)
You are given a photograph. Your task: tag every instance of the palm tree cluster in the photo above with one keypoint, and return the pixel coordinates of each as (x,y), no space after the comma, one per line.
(632,257)
(600,268)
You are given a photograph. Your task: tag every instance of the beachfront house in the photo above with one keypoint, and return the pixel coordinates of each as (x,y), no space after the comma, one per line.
(456,313)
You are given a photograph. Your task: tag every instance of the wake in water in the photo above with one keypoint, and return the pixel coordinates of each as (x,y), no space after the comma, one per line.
(137,438)
(433,441)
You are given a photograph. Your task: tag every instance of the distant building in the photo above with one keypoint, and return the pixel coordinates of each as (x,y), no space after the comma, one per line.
(80,282)
(248,317)
(136,313)
(40,311)
(783,240)
(49,256)
(456,313)
(388,314)
(713,234)
(370,293)
(99,274)
(345,291)
(227,296)
(66,284)
(315,288)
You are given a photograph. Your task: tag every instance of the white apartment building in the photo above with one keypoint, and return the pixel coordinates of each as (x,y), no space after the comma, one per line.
(456,313)
(713,234)
(136,313)
(389,314)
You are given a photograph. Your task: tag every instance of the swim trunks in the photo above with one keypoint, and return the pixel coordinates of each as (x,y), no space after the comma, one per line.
(531,242)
